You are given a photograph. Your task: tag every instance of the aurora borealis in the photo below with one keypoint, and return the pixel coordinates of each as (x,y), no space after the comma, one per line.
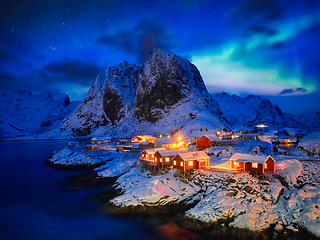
(264,47)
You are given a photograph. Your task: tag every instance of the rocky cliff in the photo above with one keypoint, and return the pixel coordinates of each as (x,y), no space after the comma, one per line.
(167,91)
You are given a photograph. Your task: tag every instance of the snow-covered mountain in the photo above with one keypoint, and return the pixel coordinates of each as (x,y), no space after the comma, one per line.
(166,93)
(249,110)
(308,119)
(23,113)
(252,109)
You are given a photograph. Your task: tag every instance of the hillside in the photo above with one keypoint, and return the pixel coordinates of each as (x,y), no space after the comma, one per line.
(25,113)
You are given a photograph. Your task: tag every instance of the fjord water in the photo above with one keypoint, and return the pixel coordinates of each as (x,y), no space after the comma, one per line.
(34,206)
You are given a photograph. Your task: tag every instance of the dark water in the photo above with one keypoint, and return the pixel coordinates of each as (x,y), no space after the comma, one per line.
(34,206)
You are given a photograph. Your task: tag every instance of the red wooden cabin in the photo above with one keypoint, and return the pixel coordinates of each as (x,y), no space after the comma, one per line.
(205,141)
(164,157)
(147,156)
(145,145)
(247,162)
(191,160)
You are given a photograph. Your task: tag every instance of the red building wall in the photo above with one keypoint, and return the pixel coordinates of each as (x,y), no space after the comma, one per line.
(249,167)
(241,165)
(202,164)
(203,142)
(158,156)
(195,164)
(270,165)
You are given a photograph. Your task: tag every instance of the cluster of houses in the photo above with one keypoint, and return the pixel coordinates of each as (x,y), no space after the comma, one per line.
(188,153)
(174,152)
(178,159)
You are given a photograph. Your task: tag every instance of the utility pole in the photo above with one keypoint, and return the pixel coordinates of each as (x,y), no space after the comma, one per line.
(271,147)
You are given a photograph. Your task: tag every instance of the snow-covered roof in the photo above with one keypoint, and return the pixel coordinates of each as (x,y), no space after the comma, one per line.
(197,155)
(144,136)
(213,137)
(152,150)
(166,153)
(167,140)
(241,157)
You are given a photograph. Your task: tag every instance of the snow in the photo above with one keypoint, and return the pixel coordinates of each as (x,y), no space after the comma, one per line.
(289,169)
(311,142)
(240,157)
(197,155)
(141,188)
(25,113)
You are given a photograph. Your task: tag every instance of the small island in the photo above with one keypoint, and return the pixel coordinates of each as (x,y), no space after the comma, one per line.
(221,184)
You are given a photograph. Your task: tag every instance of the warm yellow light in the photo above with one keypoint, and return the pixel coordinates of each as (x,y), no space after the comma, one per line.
(179,138)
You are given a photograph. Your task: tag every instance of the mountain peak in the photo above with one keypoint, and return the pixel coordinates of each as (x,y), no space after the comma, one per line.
(124,93)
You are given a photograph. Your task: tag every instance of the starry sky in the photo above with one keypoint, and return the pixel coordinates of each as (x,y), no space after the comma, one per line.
(264,47)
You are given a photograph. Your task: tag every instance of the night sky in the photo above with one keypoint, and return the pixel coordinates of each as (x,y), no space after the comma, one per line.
(264,47)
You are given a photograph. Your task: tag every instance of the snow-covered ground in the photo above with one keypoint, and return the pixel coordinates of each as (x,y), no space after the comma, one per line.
(289,201)
(311,144)
(115,163)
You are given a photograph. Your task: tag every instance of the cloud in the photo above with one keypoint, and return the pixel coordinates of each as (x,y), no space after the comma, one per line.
(140,40)
(261,11)
(53,77)
(264,30)
(290,90)
(71,70)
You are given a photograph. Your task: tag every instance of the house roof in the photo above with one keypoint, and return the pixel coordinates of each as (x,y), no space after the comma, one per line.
(166,153)
(152,150)
(166,140)
(211,137)
(197,155)
(144,136)
(241,157)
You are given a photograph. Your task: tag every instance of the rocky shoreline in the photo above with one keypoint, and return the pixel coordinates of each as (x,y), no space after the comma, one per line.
(219,204)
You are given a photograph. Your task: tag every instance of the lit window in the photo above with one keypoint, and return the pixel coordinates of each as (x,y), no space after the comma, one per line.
(238,164)
(181,164)
(265,166)
(255,165)
(160,159)
(234,163)
(174,162)
(190,163)
(167,159)
(152,155)
(155,159)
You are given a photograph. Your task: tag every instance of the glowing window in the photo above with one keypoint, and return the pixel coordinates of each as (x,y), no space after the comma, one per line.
(265,166)
(160,159)
(167,159)
(238,164)
(181,164)
(152,155)
(234,163)
(255,165)
(155,159)
(190,163)
(174,162)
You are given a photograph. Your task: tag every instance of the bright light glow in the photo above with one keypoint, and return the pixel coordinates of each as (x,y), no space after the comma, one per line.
(167,159)
(181,164)
(174,162)
(190,163)
(255,165)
